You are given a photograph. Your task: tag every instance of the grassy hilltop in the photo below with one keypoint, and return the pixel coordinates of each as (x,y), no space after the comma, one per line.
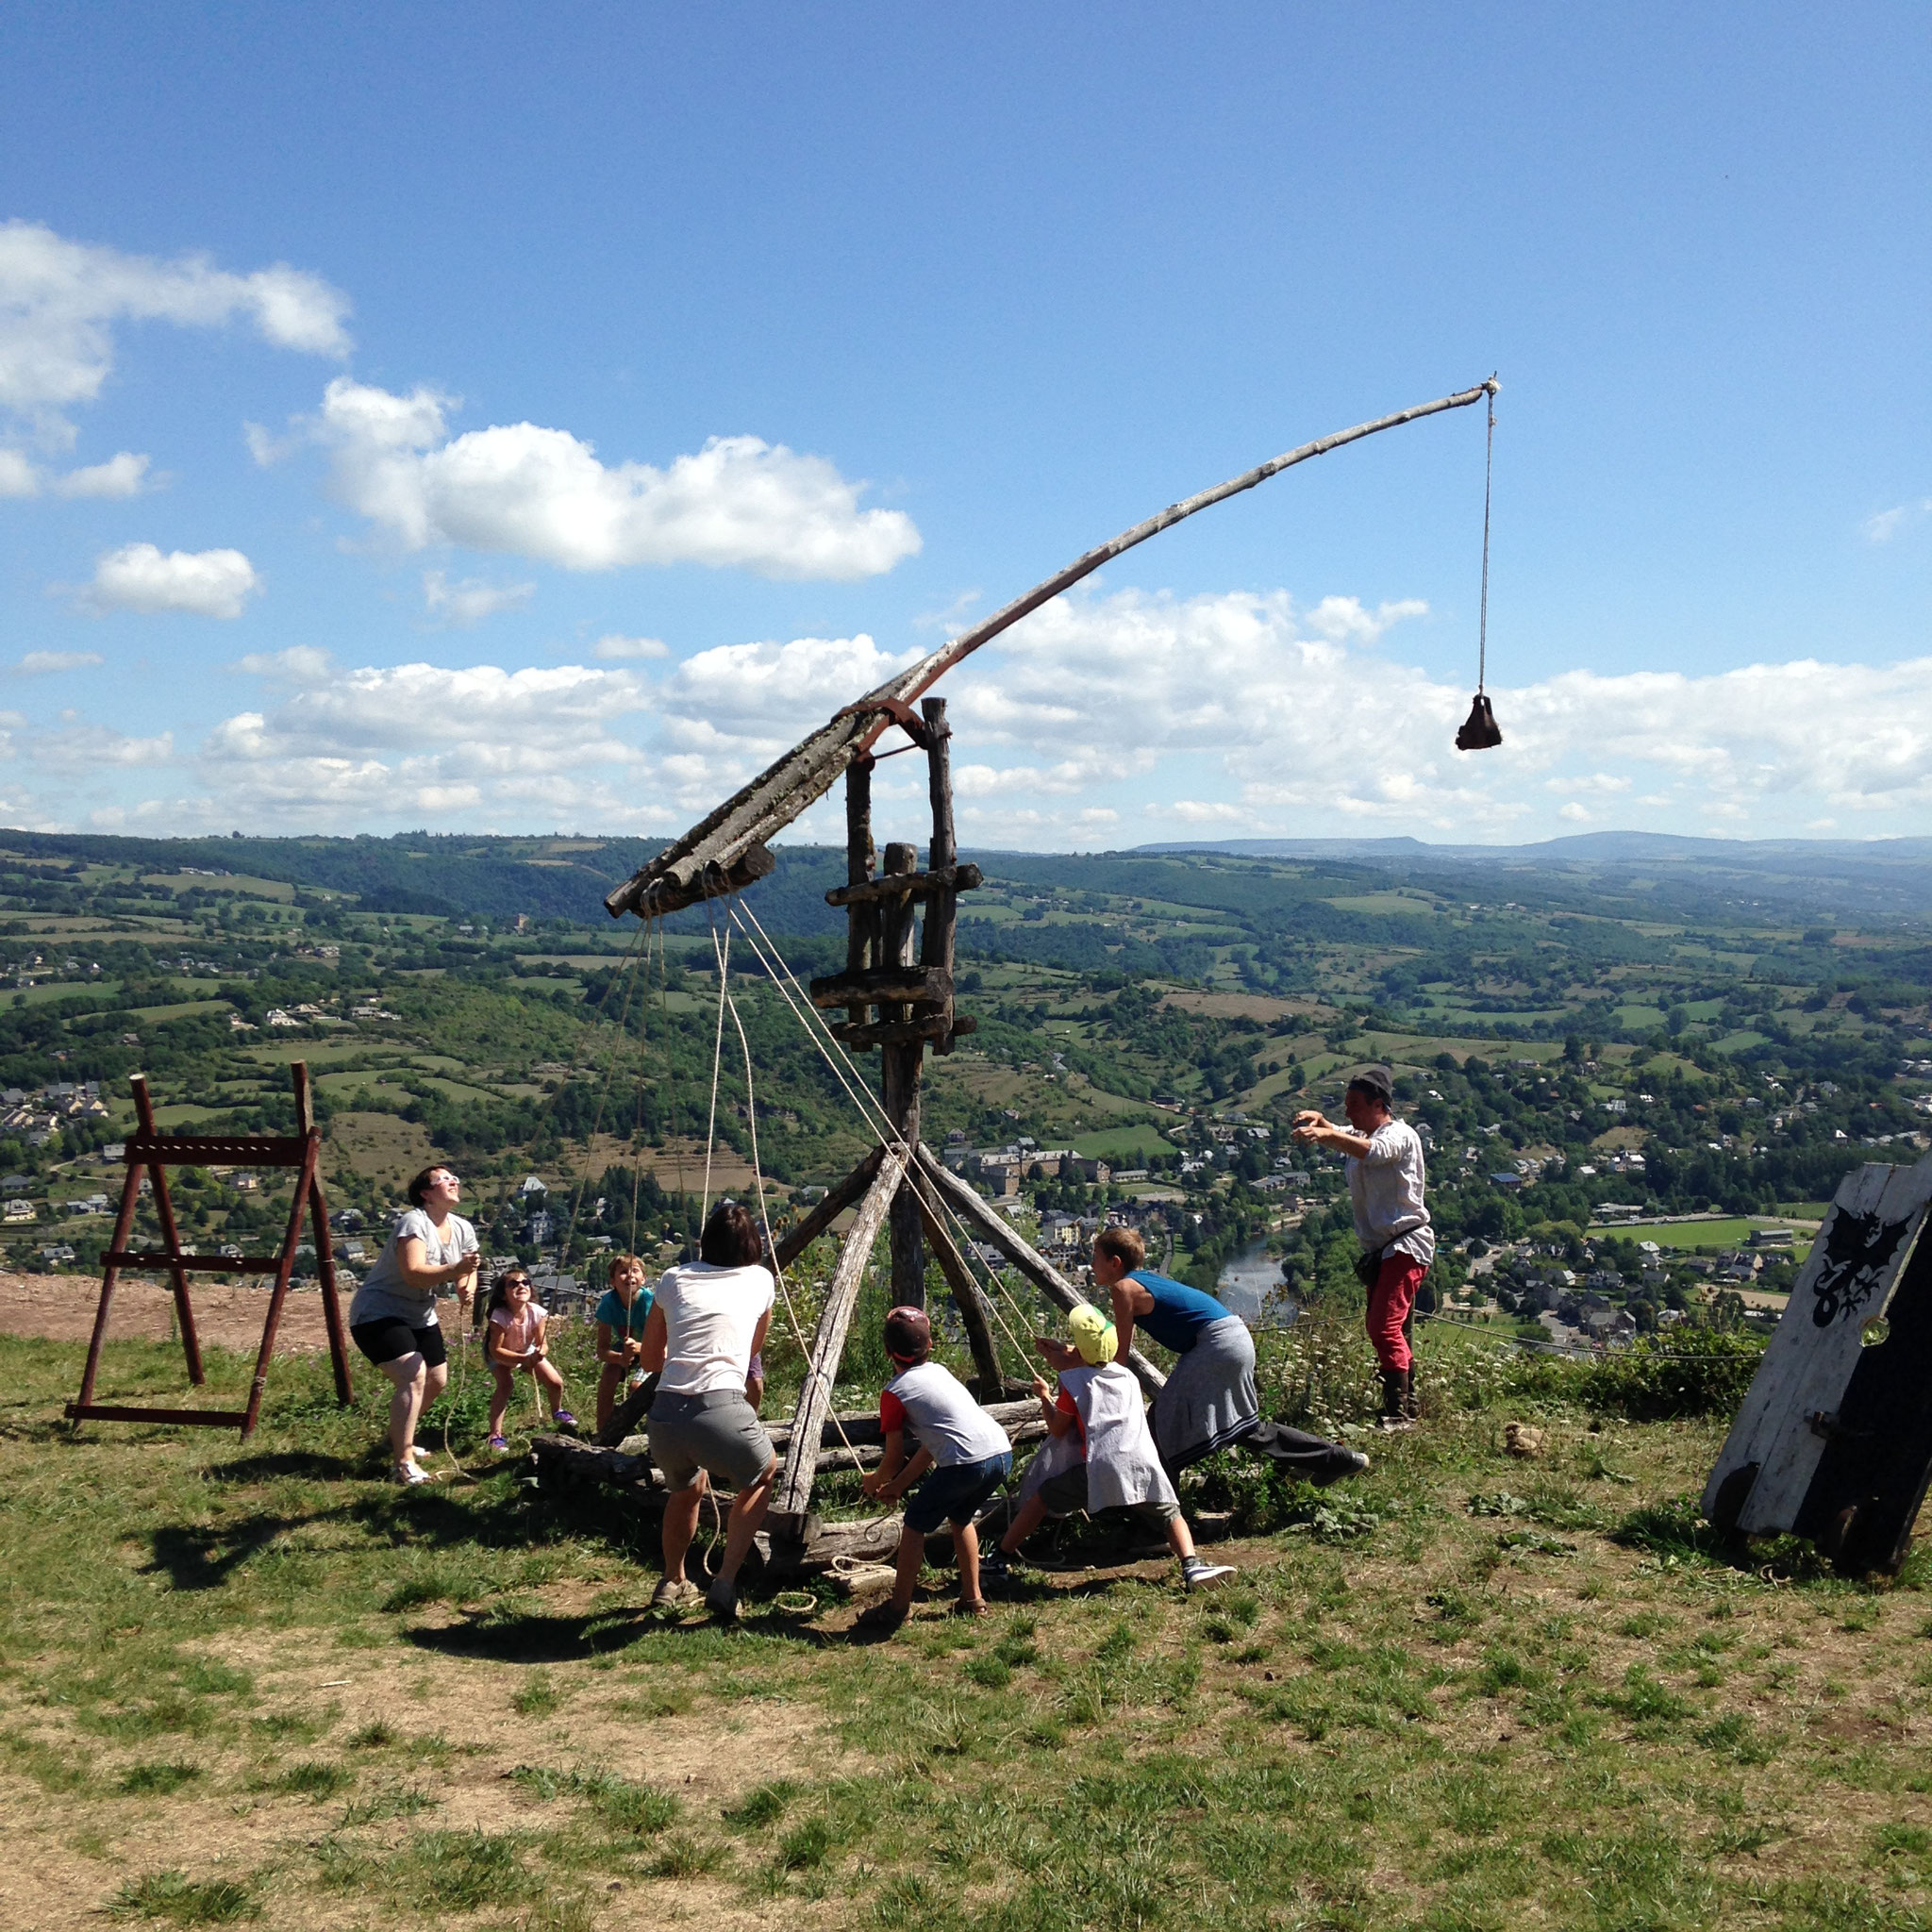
(257,1685)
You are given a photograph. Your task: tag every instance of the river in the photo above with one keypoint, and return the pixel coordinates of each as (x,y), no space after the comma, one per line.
(1247,1281)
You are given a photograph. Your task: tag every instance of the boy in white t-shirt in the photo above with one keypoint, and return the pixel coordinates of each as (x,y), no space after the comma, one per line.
(962,1457)
(1099,1453)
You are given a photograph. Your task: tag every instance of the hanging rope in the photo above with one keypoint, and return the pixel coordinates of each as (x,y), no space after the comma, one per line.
(758,1177)
(724,958)
(1482,640)
(869,1107)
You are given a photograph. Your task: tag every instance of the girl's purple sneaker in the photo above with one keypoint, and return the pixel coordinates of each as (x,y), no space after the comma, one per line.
(563,1419)
(499,1444)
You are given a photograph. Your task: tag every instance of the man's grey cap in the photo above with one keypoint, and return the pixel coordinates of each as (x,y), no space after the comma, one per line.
(1377,1080)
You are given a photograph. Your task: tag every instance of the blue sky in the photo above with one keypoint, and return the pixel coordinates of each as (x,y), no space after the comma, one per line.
(526,419)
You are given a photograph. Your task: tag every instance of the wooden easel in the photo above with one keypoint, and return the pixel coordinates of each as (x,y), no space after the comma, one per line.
(155,1153)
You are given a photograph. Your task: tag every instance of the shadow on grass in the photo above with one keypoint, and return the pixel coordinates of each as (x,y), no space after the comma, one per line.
(288,1463)
(1676,1533)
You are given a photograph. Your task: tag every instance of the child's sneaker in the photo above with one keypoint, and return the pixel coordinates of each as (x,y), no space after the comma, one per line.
(721,1599)
(1197,1574)
(563,1419)
(499,1445)
(407,1476)
(672,1593)
(997,1568)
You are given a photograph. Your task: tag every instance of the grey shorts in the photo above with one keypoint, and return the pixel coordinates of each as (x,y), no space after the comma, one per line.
(717,1432)
(1065,1495)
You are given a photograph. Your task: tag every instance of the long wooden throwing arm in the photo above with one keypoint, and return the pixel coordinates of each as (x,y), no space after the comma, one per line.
(727,851)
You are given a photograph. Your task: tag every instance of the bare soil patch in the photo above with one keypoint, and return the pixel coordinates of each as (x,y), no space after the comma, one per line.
(60,1308)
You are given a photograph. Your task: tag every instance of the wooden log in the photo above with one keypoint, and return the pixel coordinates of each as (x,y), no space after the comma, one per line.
(880,985)
(941,910)
(1034,1266)
(170,1235)
(792,1492)
(795,1240)
(913,884)
(903,1032)
(795,781)
(861,926)
(900,1067)
(976,1316)
(717,878)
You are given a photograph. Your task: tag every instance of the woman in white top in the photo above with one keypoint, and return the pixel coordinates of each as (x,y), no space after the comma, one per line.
(393,1317)
(705,1328)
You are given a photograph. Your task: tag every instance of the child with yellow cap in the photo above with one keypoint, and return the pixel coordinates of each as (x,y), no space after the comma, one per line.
(1099,1453)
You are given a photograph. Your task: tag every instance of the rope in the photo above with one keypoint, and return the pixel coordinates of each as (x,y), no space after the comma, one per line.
(759,1177)
(863,1098)
(724,958)
(1482,642)
(868,1106)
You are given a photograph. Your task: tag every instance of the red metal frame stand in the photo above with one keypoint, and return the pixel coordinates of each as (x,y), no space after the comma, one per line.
(155,1153)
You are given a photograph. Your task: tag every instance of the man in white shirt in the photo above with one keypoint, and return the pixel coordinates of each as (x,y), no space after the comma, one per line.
(1386,1181)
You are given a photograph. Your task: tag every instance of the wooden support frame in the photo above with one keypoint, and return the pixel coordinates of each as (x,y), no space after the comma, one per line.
(792,1492)
(150,1154)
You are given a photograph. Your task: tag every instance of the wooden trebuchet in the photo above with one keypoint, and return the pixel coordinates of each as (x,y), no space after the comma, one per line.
(794,1490)
(1034,1266)
(707,861)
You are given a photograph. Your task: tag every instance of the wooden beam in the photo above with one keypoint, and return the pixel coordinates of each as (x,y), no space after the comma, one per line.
(1034,1266)
(795,1242)
(900,1032)
(790,784)
(917,885)
(147,1149)
(793,1488)
(882,985)
(975,1315)
(170,1235)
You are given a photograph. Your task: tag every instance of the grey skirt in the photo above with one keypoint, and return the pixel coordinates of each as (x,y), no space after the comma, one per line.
(1209,1399)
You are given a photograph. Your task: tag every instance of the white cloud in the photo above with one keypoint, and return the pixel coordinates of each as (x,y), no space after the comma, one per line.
(1573,814)
(298,664)
(1343,620)
(207,583)
(1887,524)
(521,491)
(38,663)
(18,477)
(471,599)
(82,747)
(59,300)
(615,646)
(1315,736)
(122,474)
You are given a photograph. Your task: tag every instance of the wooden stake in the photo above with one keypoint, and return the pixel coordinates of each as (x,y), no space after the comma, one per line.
(792,1490)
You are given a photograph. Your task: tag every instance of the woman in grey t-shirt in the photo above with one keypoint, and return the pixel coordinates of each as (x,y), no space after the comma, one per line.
(393,1317)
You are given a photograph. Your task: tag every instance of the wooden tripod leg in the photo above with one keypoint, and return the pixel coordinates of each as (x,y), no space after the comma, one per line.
(1035,1267)
(124,1231)
(171,1237)
(325,1252)
(974,1312)
(284,1269)
(794,1490)
(851,1189)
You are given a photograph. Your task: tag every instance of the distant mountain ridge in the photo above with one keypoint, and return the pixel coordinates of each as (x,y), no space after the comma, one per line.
(1587,846)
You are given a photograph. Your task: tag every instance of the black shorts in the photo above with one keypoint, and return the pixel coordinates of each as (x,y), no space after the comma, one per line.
(385,1341)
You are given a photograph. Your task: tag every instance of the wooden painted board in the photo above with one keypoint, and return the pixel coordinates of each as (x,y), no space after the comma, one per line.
(1777,1449)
